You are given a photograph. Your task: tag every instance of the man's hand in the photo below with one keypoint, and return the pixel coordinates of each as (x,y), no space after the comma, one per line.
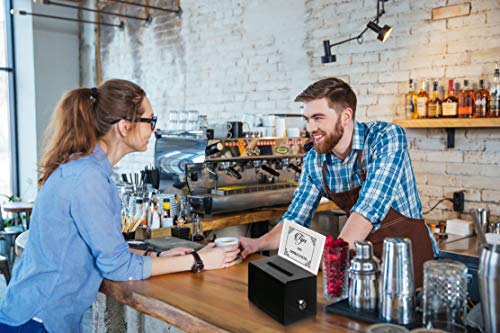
(177,251)
(248,246)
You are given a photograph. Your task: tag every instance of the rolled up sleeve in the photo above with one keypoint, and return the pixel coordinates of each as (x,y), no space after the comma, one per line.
(305,201)
(383,175)
(96,213)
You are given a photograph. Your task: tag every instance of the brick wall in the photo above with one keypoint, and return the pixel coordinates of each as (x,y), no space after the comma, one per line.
(225,58)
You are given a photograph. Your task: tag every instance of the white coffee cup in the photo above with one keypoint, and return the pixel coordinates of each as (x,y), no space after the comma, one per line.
(267,131)
(268,120)
(226,241)
(280,127)
(293,132)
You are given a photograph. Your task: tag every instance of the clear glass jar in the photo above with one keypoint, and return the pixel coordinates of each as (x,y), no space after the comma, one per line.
(335,274)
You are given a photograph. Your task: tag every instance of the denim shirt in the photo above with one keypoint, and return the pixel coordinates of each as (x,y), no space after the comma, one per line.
(75,242)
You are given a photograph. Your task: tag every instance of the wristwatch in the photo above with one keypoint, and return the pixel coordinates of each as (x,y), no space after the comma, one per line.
(198,264)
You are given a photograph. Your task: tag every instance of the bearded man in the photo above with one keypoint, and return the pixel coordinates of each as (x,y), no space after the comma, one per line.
(364,168)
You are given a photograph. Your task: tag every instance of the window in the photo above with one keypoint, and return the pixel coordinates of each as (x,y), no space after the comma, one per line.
(8,168)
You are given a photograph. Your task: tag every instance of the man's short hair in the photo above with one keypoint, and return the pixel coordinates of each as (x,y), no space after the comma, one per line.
(338,93)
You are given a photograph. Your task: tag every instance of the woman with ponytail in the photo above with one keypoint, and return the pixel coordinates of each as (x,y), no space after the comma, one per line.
(75,236)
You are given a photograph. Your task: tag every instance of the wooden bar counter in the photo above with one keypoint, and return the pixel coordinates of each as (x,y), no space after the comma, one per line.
(216,301)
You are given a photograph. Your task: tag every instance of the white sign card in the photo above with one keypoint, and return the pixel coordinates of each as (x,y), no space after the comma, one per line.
(301,246)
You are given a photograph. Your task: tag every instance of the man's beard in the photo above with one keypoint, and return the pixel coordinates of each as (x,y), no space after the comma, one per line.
(329,141)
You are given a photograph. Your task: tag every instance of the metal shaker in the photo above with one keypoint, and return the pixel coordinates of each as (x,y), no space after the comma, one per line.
(489,287)
(397,287)
(364,275)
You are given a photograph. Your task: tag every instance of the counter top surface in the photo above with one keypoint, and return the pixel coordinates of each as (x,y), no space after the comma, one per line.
(216,301)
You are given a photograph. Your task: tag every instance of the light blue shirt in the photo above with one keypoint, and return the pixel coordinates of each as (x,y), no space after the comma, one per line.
(390,181)
(75,242)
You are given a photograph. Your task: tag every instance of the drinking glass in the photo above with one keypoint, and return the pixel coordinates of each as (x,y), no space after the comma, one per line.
(173,119)
(192,115)
(335,279)
(183,121)
(445,295)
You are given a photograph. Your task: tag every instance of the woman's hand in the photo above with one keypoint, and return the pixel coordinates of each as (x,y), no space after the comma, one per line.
(177,251)
(219,257)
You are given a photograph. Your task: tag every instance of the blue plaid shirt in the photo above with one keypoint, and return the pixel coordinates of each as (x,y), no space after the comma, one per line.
(390,181)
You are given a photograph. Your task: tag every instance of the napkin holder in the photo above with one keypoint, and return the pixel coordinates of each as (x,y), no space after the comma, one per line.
(281,289)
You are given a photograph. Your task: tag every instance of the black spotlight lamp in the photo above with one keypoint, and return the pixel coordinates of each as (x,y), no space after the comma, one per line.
(328,57)
(383,33)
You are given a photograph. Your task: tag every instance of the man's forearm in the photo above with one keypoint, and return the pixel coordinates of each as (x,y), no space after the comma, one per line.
(271,240)
(357,228)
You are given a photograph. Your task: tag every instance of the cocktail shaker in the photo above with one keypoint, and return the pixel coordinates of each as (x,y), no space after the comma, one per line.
(489,286)
(364,275)
(397,288)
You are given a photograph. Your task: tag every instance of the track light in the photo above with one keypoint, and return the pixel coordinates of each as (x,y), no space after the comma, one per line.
(383,33)
(328,57)
(23,12)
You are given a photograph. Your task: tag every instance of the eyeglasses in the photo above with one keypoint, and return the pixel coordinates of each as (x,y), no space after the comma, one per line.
(151,120)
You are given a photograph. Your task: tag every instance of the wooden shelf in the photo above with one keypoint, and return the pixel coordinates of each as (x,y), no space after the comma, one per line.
(448,123)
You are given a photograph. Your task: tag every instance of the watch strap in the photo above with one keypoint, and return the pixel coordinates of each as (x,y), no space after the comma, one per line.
(198,263)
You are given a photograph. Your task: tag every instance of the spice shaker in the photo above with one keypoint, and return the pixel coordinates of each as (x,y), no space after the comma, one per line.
(364,275)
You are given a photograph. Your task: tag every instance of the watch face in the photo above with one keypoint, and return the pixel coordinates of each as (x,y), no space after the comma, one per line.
(198,267)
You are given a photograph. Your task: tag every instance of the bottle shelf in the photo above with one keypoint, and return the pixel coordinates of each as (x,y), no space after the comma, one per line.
(449,124)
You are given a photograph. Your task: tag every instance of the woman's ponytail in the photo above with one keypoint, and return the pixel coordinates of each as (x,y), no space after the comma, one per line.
(84,115)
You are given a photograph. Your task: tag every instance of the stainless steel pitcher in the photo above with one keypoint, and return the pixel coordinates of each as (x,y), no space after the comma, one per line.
(489,287)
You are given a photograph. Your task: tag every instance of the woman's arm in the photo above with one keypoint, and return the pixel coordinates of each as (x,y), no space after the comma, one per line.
(212,257)
(179,259)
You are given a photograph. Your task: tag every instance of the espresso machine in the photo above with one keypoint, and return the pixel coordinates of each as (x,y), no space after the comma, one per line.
(230,174)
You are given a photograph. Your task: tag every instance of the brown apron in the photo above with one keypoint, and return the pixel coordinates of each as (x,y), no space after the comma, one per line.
(393,225)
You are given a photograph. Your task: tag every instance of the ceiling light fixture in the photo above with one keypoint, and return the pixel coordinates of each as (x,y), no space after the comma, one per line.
(383,34)
(147,19)
(178,11)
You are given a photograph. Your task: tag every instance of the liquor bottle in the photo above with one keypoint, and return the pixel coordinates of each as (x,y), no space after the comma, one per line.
(411,102)
(450,102)
(434,105)
(155,217)
(495,95)
(466,101)
(422,101)
(482,100)
(166,219)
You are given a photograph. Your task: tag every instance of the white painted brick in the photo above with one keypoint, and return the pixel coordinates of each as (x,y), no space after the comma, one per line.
(430,191)
(464,169)
(442,156)
(491,196)
(481,183)
(440,180)
(480,157)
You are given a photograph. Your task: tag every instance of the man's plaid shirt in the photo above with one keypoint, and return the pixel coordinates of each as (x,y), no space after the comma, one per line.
(390,181)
